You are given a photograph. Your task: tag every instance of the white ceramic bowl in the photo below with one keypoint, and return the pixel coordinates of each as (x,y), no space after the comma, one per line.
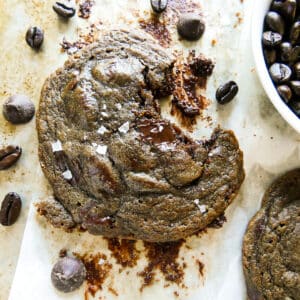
(259,11)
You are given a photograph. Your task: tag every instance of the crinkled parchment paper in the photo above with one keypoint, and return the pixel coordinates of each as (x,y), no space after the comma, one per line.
(270,147)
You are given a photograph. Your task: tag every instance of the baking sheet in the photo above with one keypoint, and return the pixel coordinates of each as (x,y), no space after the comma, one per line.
(270,147)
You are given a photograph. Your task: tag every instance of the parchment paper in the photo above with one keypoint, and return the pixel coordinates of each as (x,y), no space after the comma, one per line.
(270,147)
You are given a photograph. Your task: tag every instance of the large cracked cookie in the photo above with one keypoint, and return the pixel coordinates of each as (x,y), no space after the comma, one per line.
(117,167)
(271,248)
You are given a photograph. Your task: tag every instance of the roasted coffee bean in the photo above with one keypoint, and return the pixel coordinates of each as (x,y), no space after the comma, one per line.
(295,106)
(285,51)
(34,37)
(270,56)
(9,155)
(295,86)
(295,33)
(190,26)
(271,39)
(68,274)
(285,92)
(10,209)
(297,70)
(226,92)
(18,109)
(64,10)
(287,8)
(159,6)
(280,73)
(275,22)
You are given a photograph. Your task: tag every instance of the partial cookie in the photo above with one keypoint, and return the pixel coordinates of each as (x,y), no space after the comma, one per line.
(116,166)
(271,248)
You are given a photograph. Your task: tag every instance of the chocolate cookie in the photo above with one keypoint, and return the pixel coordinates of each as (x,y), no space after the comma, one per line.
(271,248)
(117,167)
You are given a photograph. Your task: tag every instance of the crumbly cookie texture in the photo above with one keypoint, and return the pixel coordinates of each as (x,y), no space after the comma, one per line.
(117,167)
(271,247)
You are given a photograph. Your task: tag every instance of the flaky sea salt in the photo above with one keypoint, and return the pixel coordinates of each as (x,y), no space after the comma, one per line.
(67,175)
(202,208)
(57,146)
(101,149)
(118,106)
(104,114)
(104,106)
(124,128)
(101,261)
(102,130)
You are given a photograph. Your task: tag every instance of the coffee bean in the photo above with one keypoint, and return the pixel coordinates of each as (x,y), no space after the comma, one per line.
(68,274)
(285,51)
(63,10)
(271,39)
(297,70)
(275,22)
(10,209)
(18,109)
(226,92)
(9,155)
(287,8)
(280,73)
(295,33)
(190,26)
(295,86)
(285,92)
(34,37)
(295,106)
(270,56)
(159,6)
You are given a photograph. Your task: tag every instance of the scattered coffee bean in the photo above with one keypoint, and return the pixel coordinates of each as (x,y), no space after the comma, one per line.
(270,56)
(297,70)
(295,86)
(9,155)
(190,26)
(226,92)
(280,73)
(271,39)
(295,33)
(64,10)
(68,274)
(18,109)
(34,37)
(159,6)
(285,51)
(287,8)
(10,209)
(275,22)
(285,92)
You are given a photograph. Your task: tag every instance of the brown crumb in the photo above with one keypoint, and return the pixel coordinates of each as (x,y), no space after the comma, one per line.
(63,252)
(97,269)
(85,9)
(176,294)
(200,267)
(113,291)
(124,251)
(162,257)
(189,77)
(213,42)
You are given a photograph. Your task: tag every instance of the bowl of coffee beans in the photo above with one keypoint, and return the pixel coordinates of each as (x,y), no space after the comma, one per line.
(276,49)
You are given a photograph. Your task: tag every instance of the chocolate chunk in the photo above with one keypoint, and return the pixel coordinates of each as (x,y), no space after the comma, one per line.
(68,274)
(190,26)
(18,109)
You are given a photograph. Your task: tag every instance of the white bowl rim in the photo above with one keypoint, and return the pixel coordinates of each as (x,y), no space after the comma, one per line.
(262,71)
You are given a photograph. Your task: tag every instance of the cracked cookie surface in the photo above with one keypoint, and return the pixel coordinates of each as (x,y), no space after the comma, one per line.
(271,247)
(117,167)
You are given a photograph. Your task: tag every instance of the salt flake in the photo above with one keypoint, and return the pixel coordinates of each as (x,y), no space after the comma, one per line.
(102,130)
(56,147)
(101,149)
(124,128)
(67,175)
